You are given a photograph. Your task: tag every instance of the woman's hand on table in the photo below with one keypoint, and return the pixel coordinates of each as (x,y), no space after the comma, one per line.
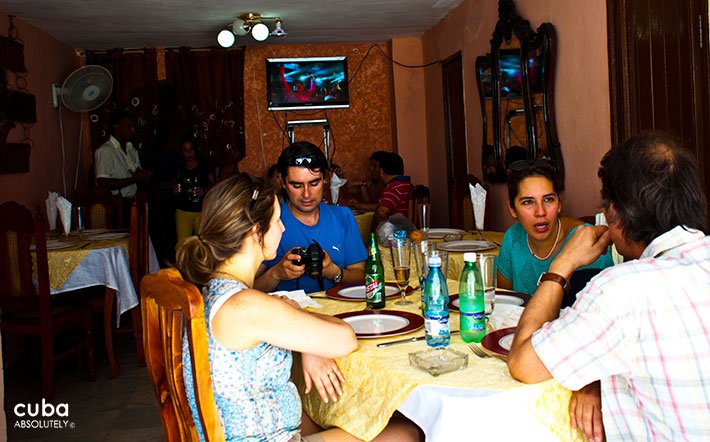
(585,411)
(324,374)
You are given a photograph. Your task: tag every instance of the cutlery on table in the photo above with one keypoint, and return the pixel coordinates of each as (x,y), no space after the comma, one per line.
(402,341)
(481,354)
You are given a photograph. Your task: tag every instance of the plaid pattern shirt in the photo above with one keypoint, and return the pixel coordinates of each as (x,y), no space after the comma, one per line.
(643,328)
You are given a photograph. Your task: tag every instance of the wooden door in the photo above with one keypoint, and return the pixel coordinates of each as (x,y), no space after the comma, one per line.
(455,123)
(658,70)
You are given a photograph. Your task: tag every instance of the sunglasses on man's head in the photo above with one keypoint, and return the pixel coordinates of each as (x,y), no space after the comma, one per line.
(303,161)
(521,165)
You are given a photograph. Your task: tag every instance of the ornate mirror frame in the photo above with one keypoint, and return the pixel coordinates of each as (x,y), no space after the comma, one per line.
(516,79)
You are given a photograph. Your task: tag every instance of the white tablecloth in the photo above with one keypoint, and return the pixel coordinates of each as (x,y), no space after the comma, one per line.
(452,413)
(108,267)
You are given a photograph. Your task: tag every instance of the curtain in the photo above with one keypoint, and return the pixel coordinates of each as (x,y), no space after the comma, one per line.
(135,89)
(207,87)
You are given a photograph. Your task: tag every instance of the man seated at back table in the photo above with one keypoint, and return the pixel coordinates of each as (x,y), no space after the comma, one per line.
(302,167)
(639,327)
(396,193)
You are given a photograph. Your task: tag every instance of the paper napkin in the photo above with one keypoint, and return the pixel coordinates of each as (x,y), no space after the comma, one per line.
(505,315)
(51,203)
(478,200)
(64,209)
(335,184)
(299,296)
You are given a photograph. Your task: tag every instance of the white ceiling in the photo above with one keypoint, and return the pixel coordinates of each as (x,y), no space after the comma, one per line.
(105,24)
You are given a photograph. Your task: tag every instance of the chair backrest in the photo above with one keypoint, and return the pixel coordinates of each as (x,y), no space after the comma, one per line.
(103,209)
(138,253)
(170,305)
(18,232)
(420,195)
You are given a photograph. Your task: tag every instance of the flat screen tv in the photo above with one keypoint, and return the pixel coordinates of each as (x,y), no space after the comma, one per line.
(307,83)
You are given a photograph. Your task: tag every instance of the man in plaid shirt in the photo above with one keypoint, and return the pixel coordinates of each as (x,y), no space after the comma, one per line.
(637,337)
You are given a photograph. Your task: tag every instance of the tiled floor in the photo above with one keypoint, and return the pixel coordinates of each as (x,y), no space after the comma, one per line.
(121,409)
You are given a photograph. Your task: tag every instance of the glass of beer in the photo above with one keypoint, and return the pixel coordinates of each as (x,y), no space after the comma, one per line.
(400,248)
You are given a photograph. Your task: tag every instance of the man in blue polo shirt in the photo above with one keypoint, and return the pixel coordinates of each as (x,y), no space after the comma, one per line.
(302,168)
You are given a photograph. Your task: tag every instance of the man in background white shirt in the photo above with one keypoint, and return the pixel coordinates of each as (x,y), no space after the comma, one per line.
(117,165)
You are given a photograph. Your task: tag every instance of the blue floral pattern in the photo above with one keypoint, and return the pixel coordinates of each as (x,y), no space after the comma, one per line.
(255,399)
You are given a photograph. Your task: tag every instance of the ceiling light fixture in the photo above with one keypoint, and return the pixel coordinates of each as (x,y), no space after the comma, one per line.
(250,22)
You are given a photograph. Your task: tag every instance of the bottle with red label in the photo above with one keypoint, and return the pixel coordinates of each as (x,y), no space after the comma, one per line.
(374,277)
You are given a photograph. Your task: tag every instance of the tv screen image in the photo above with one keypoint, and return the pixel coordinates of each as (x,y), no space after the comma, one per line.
(511,79)
(307,83)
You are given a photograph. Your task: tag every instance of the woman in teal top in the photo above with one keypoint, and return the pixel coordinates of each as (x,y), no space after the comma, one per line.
(534,241)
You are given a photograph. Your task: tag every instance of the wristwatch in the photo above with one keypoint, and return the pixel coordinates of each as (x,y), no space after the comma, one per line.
(554,277)
(339,277)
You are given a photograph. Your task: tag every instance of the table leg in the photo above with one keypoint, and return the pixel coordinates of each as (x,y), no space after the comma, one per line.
(109,301)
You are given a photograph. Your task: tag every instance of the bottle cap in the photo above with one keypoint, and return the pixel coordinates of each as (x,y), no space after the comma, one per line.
(435,261)
(400,234)
(469,257)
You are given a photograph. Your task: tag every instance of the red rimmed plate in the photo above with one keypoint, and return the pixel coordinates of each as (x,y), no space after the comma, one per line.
(370,324)
(512,298)
(499,341)
(356,292)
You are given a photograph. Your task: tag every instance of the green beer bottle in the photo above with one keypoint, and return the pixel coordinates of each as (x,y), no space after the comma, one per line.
(374,277)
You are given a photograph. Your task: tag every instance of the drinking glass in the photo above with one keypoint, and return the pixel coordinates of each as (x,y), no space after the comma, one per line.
(444,255)
(421,251)
(400,248)
(486,264)
(424,217)
(478,223)
(80,217)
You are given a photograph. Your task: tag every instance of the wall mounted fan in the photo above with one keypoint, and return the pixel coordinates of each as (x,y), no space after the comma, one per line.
(84,90)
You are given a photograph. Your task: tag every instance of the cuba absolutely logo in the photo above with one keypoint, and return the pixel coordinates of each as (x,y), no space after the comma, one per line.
(42,415)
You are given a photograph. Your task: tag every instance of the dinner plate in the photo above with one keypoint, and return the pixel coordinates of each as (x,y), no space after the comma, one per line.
(54,244)
(512,298)
(356,292)
(466,246)
(499,341)
(369,324)
(440,233)
(109,235)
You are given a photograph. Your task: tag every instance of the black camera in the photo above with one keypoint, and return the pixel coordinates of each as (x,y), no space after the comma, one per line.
(312,258)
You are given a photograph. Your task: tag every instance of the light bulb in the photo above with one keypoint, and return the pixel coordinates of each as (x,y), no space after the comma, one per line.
(260,32)
(225,38)
(239,27)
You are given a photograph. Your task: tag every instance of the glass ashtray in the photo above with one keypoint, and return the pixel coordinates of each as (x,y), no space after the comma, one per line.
(438,361)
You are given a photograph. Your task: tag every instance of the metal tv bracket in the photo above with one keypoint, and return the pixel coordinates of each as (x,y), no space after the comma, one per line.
(291,125)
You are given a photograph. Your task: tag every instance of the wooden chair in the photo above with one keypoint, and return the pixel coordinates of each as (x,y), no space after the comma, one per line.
(138,260)
(170,305)
(138,257)
(420,195)
(23,311)
(103,210)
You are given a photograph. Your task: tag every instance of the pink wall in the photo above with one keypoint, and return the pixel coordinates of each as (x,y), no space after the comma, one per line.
(582,95)
(410,107)
(47,61)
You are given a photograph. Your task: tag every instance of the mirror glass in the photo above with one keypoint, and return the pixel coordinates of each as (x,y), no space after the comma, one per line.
(515,82)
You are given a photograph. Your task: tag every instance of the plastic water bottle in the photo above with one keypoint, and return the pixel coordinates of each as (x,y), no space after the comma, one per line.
(471,301)
(436,312)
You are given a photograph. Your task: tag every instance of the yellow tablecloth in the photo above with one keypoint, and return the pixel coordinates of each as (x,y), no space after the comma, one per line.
(380,379)
(62,262)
